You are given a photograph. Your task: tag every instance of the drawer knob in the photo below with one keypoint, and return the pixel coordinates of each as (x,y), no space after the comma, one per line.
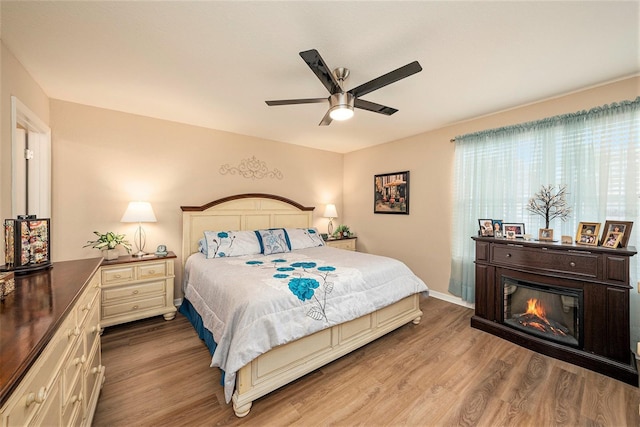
(36,397)
(73,332)
(80,360)
(76,398)
(152,271)
(508,255)
(86,307)
(135,307)
(135,292)
(572,264)
(96,329)
(117,276)
(97,369)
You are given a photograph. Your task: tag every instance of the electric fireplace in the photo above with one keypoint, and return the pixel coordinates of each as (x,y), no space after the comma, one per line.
(550,313)
(566,301)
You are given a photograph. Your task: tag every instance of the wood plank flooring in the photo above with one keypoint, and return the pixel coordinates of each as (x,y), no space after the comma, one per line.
(441,372)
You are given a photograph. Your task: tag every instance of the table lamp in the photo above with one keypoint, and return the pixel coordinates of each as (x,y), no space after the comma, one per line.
(139,212)
(331,213)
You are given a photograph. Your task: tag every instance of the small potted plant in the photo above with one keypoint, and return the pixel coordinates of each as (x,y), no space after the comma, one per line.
(108,243)
(342,231)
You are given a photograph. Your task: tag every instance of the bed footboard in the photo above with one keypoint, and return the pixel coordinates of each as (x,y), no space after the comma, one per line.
(288,362)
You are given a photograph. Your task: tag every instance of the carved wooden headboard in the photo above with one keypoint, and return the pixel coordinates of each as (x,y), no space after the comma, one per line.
(240,212)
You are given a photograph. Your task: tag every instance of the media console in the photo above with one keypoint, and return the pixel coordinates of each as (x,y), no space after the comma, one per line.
(589,283)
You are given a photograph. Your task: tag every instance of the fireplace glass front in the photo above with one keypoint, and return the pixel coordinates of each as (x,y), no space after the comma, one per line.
(551,313)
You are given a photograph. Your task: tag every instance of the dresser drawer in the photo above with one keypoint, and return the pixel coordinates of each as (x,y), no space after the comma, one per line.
(151,270)
(577,262)
(117,275)
(133,291)
(132,306)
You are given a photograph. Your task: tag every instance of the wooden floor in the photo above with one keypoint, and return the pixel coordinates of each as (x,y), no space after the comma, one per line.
(439,373)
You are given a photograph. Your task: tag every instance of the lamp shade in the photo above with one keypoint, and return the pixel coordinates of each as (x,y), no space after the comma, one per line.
(139,212)
(330,211)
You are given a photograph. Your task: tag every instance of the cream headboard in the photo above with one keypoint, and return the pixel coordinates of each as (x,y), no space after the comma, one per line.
(240,212)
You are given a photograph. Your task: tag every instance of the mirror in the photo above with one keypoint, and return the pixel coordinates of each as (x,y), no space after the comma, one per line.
(31,163)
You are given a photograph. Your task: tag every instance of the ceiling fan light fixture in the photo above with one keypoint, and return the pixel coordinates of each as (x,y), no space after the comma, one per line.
(341,106)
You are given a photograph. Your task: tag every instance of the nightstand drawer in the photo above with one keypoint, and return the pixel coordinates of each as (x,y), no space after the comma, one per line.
(135,291)
(117,275)
(133,306)
(346,244)
(149,271)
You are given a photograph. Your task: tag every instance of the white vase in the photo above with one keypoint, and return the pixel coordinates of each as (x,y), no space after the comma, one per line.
(110,254)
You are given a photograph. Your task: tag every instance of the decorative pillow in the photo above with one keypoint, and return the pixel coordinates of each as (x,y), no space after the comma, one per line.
(202,246)
(273,241)
(301,238)
(230,243)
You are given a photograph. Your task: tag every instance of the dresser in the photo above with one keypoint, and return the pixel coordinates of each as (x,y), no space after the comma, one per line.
(50,350)
(135,288)
(347,243)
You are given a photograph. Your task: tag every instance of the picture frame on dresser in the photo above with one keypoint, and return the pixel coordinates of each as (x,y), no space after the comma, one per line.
(486,227)
(612,226)
(612,239)
(515,229)
(587,233)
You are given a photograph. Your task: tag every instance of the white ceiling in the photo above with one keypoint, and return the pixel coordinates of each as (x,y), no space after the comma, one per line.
(214,63)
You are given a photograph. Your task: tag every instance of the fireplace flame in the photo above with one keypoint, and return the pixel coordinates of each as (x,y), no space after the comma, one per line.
(536,309)
(536,318)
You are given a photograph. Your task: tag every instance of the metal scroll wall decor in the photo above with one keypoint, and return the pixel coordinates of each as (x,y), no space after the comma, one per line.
(251,168)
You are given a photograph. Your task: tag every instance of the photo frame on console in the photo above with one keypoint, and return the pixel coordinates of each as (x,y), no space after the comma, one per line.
(588,233)
(623,227)
(515,229)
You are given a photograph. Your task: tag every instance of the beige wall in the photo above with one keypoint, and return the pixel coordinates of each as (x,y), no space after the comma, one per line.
(14,80)
(103,159)
(423,238)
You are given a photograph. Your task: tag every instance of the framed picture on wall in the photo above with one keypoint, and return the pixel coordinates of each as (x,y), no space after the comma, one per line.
(623,227)
(391,193)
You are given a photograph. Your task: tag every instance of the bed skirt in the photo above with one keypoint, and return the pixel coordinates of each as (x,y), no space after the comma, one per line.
(192,315)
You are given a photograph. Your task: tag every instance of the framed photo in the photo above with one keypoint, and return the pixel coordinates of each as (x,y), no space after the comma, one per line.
(391,193)
(623,227)
(567,240)
(545,234)
(611,239)
(497,228)
(514,228)
(486,227)
(588,233)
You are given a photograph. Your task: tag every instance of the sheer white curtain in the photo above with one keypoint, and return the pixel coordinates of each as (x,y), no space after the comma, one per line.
(595,153)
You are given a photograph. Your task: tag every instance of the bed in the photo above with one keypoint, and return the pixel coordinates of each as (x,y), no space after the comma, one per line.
(320,333)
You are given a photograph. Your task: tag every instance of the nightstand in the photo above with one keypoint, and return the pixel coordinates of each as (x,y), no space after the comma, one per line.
(347,243)
(135,288)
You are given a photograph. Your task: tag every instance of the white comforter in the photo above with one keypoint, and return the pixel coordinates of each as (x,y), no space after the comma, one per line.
(254,303)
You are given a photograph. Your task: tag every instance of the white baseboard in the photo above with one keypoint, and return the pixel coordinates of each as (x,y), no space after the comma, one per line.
(450,298)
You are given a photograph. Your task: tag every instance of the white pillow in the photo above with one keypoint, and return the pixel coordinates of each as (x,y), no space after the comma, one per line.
(273,241)
(301,238)
(230,243)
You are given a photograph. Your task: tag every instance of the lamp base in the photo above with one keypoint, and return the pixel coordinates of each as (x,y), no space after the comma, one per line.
(140,254)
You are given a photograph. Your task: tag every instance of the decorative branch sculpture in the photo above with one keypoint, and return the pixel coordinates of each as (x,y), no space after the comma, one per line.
(550,204)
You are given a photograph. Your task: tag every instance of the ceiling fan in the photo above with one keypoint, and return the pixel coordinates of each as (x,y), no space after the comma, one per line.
(341,103)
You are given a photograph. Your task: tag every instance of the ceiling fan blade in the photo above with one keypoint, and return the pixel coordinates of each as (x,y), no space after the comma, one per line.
(296,101)
(326,120)
(387,79)
(372,106)
(319,67)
